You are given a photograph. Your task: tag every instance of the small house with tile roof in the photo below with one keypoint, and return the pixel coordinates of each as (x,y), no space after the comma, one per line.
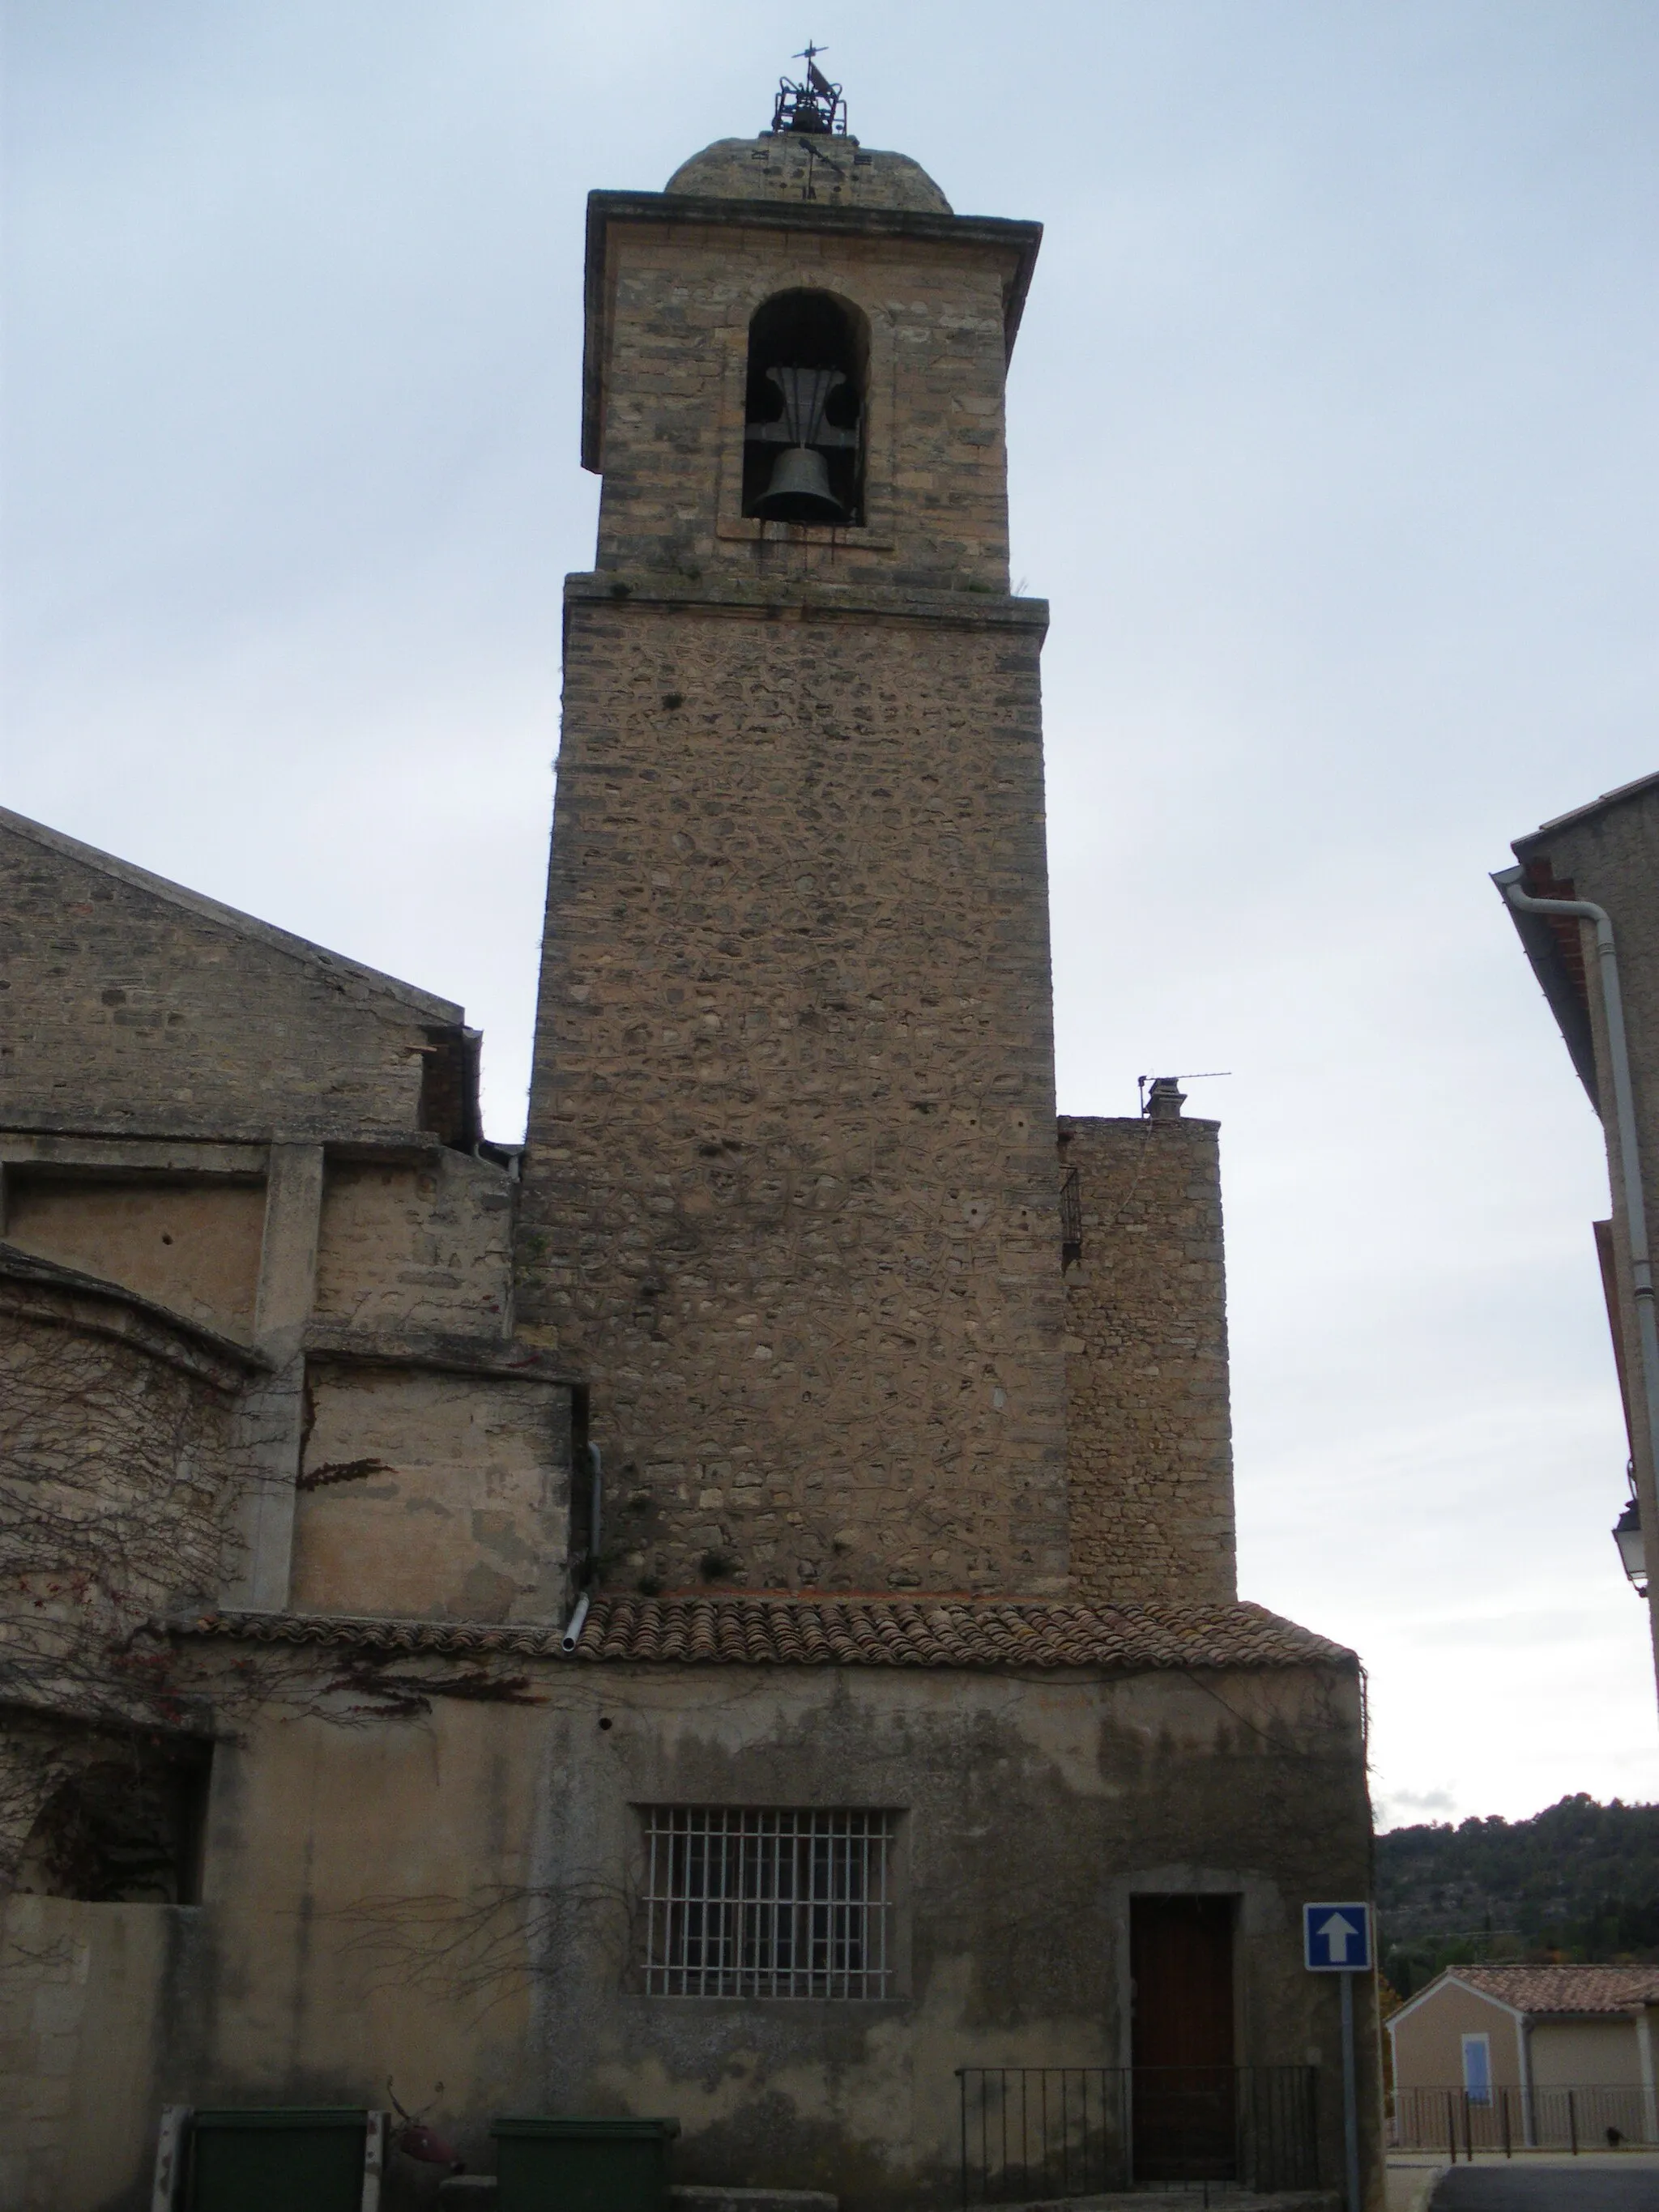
(1492,2047)
(725,1612)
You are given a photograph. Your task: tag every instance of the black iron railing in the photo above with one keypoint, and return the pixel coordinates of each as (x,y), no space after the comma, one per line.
(1055,2131)
(1507,2119)
(1071,1217)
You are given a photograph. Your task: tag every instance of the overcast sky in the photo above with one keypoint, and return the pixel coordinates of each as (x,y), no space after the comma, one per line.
(1333,429)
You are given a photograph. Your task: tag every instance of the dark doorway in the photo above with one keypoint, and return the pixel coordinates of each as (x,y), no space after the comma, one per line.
(1181,1964)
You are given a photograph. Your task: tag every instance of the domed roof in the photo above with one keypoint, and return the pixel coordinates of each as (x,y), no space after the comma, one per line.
(784,164)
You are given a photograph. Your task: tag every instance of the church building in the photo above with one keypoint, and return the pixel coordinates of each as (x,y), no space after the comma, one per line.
(725,1612)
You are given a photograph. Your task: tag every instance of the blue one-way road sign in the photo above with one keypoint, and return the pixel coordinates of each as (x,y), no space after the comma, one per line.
(1336,1939)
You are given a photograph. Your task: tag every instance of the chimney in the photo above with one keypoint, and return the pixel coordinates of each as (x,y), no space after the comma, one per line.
(1165,1099)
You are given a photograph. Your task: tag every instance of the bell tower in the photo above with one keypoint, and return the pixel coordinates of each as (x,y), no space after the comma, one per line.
(790,1202)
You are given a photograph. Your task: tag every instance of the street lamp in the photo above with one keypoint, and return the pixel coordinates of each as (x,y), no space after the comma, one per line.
(1632,1551)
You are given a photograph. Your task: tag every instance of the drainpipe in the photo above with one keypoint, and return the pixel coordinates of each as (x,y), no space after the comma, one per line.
(1649,2090)
(1508,881)
(572,1627)
(595,1500)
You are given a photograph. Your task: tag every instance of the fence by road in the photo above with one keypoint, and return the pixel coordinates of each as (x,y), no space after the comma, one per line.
(1464,2121)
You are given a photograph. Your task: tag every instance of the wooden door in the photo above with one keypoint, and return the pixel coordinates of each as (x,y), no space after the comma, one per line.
(1181,1964)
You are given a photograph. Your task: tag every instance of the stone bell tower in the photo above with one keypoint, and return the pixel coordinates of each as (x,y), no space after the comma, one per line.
(790,1191)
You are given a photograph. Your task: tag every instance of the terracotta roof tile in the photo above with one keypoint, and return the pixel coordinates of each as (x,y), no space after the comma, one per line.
(732,1629)
(1565,1988)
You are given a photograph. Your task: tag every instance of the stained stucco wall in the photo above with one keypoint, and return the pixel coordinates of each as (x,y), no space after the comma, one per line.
(1148,1430)
(790,1195)
(449,1892)
(83,2037)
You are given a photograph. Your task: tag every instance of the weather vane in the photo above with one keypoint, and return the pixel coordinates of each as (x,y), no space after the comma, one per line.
(816,108)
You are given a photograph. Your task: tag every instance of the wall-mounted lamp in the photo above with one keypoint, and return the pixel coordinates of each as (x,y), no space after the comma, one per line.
(1632,1549)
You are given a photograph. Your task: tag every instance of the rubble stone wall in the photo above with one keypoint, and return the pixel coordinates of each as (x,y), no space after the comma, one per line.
(790,1197)
(132,1012)
(677,349)
(1149,1438)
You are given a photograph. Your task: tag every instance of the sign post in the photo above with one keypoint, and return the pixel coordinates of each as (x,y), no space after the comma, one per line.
(1336,1939)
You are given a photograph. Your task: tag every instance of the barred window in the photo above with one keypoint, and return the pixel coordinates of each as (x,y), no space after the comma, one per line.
(742,1902)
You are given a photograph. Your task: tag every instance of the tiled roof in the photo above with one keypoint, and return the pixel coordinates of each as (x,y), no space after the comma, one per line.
(1565,1988)
(846,1632)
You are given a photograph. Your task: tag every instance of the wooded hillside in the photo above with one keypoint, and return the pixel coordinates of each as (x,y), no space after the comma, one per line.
(1579,1881)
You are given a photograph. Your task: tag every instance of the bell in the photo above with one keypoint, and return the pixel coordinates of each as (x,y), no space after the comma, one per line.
(799,489)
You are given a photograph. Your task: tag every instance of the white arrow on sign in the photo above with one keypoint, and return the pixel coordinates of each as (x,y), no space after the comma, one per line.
(1338,1934)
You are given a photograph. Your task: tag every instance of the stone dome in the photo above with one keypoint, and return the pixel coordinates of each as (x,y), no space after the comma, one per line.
(782,165)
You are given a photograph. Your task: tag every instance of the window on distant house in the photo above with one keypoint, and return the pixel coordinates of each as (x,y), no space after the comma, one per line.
(1477,2069)
(747,1902)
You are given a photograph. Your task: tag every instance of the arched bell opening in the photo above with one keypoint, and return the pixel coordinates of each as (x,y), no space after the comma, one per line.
(802,453)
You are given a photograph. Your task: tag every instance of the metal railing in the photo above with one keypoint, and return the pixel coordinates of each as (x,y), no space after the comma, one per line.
(1507,2119)
(1071,1217)
(1056,2131)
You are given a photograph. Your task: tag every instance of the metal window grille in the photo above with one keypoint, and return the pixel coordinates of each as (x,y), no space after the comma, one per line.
(742,1902)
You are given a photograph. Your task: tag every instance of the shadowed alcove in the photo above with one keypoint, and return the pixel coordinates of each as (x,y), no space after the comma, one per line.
(803,460)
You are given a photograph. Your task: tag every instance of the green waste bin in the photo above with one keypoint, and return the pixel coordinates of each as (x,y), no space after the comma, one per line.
(583,2165)
(285,2161)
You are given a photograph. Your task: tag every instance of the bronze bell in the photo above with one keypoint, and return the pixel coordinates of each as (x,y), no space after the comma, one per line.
(799,489)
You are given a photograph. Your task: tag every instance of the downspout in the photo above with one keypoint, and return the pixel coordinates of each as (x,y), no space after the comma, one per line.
(1523,2052)
(1508,881)
(572,1627)
(1649,2089)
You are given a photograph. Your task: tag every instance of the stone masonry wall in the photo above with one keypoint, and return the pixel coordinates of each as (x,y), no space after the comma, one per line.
(677,338)
(1149,1451)
(128,1011)
(790,1193)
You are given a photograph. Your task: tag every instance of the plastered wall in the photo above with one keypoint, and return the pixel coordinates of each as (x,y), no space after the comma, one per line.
(1571,2054)
(190,1244)
(426,1247)
(789,1201)
(432,1495)
(1428,2043)
(439,1883)
(1149,1451)
(84,2032)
